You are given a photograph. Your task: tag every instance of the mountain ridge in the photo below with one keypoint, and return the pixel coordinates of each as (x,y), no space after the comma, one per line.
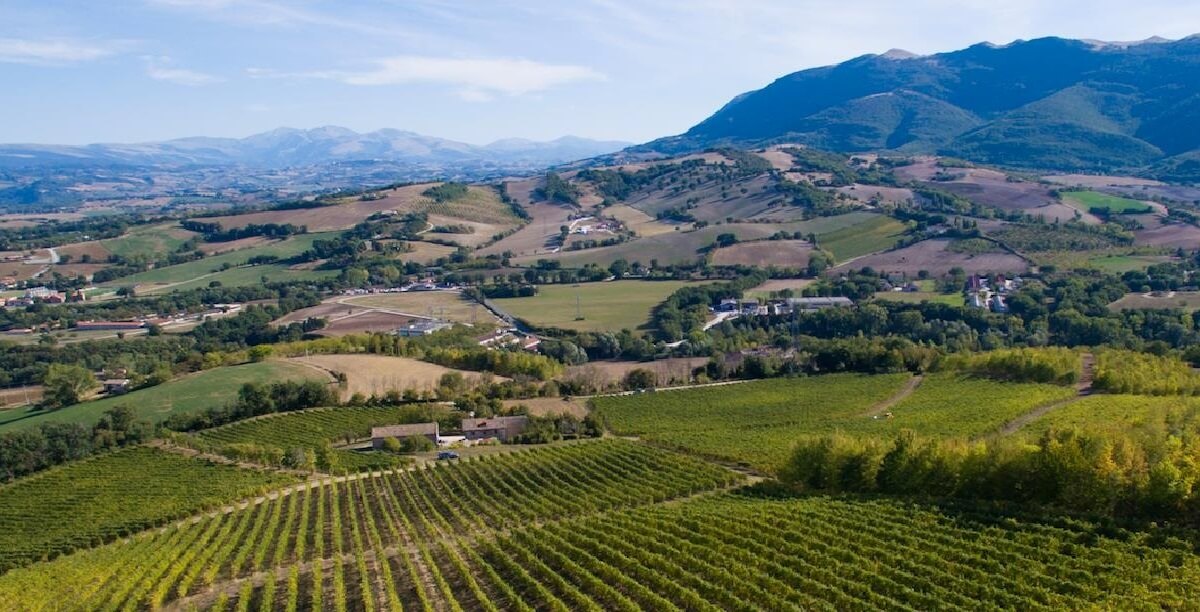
(1042,103)
(286,146)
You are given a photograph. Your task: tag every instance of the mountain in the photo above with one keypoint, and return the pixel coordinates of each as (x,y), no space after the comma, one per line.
(1045,103)
(287,147)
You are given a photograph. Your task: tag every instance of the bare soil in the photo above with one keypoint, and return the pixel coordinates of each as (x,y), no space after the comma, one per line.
(782,253)
(933,256)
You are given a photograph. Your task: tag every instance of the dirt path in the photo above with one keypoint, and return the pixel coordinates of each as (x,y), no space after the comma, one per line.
(909,386)
(1083,388)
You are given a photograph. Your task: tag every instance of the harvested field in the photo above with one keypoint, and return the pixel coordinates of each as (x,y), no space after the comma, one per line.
(638,221)
(766,289)
(448,305)
(93,249)
(537,234)
(712,200)
(20,396)
(481,205)
(934,257)
(78,269)
(482,232)
(601,375)
(213,248)
(378,374)
(366,321)
(1185,300)
(1160,233)
(426,252)
(552,406)
(867,193)
(779,160)
(990,188)
(1098,180)
(20,271)
(763,253)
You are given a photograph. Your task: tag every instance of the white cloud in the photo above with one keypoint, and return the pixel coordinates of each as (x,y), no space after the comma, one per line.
(160,69)
(52,52)
(476,79)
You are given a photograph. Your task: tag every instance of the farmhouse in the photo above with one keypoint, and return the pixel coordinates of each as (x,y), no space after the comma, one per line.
(503,428)
(116,386)
(422,328)
(425,430)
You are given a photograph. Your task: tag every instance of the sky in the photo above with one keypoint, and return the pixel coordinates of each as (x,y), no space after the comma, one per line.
(83,71)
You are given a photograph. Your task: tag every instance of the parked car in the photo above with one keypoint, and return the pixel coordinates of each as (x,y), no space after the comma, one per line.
(447,455)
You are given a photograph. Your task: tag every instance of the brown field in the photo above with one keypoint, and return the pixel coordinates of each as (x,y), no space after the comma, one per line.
(535,237)
(779,160)
(521,190)
(1186,300)
(97,251)
(21,396)
(779,284)
(364,322)
(1159,233)
(483,231)
(865,193)
(378,374)
(20,271)
(78,269)
(763,253)
(991,188)
(482,206)
(448,305)
(932,256)
(1092,181)
(213,248)
(601,375)
(552,406)
(638,221)
(426,252)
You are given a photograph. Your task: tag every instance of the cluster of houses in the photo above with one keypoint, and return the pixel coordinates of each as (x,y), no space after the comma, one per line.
(43,295)
(753,307)
(422,285)
(509,338)
(474,430)
(982,293)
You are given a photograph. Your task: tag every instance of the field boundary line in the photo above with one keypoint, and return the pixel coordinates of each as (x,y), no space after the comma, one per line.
(910,386)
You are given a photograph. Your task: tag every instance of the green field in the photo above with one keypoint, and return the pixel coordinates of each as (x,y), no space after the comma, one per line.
(1119,264)
(927,293)
(191,393)
(757,423)
(240,277)
(1148,416)
(875,234)
(1086,201)
(96,500)
(149,241)
(605,306)
(180,273)
(313,428)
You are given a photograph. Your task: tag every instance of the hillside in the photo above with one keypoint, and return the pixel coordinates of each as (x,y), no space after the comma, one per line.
(1044,103)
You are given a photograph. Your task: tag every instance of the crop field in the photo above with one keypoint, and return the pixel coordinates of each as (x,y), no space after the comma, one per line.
(97,500)
(378,374)
(311,429)
(605,306)
(1086,201)
(757,423)
(288,247)
(190,393)
(916,297)
(380,541)
(1119,264)
(1154,417)
(876,234)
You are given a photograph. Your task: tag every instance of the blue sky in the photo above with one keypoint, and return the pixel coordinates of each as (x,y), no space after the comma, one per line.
(79,71)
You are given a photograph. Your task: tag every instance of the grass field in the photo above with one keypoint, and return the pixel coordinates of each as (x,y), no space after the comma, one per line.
(1088,200)
(757,423)
(83,503)
(449,305)
(149,241)
(288,247)
(927,292)
(190,393)
(606,306)
(1119,264)
(236,277)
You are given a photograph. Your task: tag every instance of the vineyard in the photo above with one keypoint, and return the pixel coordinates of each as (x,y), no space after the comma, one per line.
(757,423)
(312,429)
(1148,417)
(371,539)
(97,500)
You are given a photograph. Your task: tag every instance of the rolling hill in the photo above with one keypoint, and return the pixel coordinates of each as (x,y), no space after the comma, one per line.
(1044,103)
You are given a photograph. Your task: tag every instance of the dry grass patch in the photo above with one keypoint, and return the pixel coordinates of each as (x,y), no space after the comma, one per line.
(378,374)
(449,305)
(782,253)
(934,257)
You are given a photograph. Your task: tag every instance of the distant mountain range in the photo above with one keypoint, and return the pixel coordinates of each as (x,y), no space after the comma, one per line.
(286,147)
(1045,103)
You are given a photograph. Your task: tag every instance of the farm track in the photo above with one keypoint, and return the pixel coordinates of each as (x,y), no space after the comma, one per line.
(206,598)
(1083,388)
(909,387)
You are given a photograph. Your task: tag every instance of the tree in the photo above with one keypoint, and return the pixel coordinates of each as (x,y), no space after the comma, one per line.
(640,378)
(65,384)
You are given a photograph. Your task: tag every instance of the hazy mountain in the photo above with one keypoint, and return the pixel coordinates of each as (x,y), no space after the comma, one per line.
(1049,102)
(294,147)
